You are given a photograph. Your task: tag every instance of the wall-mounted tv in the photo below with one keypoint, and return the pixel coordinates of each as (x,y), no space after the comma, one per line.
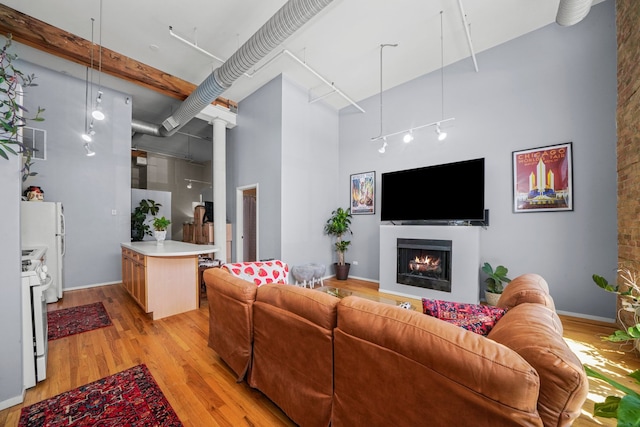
(441,193)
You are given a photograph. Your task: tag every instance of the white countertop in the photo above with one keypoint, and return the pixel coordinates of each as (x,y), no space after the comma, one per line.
(168,248)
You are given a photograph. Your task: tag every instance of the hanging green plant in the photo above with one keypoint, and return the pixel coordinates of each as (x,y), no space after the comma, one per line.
(12,112)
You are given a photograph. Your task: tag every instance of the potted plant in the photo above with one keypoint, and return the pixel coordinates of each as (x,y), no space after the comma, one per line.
(629,306)
(338,225)
(160,228)
(139,227)
(494,282)
(625,409)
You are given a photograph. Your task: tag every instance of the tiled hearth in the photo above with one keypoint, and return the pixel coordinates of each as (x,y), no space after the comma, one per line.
(465,261)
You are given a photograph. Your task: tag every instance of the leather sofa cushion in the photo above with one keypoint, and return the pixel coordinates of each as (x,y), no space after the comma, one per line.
(535,332)
(230,318)
(402,368)
(528,287)
(293,351)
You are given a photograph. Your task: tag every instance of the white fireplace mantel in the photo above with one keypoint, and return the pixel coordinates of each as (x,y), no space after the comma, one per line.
(465,261)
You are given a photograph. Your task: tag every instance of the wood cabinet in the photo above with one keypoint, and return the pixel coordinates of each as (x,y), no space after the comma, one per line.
(203,234)
(134,276)
(163,279)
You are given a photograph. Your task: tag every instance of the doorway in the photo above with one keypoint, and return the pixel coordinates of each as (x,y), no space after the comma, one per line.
(247,223)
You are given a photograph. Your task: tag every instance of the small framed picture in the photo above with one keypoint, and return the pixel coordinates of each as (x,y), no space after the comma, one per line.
(543,179)
(363,193)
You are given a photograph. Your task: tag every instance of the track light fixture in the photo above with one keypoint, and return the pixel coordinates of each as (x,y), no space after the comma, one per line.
(408,133)
(88,149)
(191,181)
(382,149)
(408,137)
(441,135)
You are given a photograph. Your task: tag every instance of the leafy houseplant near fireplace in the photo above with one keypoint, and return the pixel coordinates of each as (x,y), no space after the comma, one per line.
(338,225)
(494,282)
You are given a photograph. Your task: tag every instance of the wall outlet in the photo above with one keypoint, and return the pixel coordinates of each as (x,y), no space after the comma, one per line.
(114,212)
(354,262)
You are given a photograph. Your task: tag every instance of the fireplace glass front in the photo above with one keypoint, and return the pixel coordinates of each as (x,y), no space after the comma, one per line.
(424,263)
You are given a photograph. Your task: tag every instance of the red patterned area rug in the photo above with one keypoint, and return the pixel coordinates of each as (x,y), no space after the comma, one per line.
(71,321)
(128,398)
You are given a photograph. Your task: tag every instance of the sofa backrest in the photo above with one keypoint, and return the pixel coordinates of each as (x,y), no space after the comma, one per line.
(260,272)
(403,368)
(293,351)
(535,332)
(528,287)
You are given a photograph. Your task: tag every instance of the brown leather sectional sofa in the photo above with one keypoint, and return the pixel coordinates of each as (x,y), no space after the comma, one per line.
(355,362)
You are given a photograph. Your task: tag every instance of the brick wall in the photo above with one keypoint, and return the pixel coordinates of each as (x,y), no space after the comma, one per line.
(628,128)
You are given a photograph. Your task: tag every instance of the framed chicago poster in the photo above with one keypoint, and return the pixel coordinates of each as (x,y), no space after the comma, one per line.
(543,179)
(363,193)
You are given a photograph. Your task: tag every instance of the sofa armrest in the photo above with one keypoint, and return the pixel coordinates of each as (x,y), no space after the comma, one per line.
(382,351)
(535,332)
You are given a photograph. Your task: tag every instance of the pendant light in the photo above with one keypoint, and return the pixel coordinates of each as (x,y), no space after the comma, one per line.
(97,112)
(441,135)
(87,136)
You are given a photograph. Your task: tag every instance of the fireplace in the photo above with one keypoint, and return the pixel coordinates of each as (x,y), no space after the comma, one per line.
(465,266)
(424,263)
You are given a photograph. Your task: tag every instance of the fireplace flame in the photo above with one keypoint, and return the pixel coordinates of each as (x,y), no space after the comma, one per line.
(426,263)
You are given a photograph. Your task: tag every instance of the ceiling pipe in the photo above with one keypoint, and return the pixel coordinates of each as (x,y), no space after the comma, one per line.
(571,12)
(293,15)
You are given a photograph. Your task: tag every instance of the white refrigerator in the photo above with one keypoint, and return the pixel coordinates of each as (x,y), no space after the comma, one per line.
(42,224)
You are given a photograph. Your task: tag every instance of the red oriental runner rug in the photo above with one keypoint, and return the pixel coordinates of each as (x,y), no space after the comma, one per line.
(128,398)
(71,321)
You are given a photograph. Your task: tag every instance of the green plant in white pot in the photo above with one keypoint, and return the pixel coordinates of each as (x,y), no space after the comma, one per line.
(160,228)
(494,282)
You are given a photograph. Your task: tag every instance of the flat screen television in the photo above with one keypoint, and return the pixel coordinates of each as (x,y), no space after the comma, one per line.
(441,193)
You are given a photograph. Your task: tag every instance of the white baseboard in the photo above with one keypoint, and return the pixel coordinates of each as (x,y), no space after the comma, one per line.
(94,285)
(12,401)
(586,316)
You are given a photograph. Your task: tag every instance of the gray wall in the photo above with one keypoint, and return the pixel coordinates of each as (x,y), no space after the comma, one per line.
(551,86)
(309,176)
(10,285)
(254,156)
(88,187)
(288,147)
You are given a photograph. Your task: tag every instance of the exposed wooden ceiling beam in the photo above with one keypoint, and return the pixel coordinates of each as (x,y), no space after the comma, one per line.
(55,41)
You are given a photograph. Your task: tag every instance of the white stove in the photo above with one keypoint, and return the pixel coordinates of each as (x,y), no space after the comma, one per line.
(35,281)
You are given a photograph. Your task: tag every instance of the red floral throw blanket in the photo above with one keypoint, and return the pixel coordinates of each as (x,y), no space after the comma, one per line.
(472,317)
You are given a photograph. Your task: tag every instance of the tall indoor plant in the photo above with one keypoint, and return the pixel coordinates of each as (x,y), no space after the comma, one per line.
(338,225)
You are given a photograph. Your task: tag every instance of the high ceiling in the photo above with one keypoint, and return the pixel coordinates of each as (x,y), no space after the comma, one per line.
(341,44)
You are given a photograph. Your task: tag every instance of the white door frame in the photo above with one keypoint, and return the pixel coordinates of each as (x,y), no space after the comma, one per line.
(240,222)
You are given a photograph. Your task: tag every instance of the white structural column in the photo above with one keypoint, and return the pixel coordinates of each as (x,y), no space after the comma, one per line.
(221,119)
(220,187)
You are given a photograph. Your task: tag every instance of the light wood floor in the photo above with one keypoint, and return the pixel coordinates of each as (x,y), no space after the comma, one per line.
(198,384)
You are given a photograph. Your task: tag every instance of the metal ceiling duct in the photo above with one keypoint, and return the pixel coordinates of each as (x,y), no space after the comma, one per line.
(571,12)
(293,15)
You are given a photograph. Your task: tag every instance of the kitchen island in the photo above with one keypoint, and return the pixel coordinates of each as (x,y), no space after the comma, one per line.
(163,278)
